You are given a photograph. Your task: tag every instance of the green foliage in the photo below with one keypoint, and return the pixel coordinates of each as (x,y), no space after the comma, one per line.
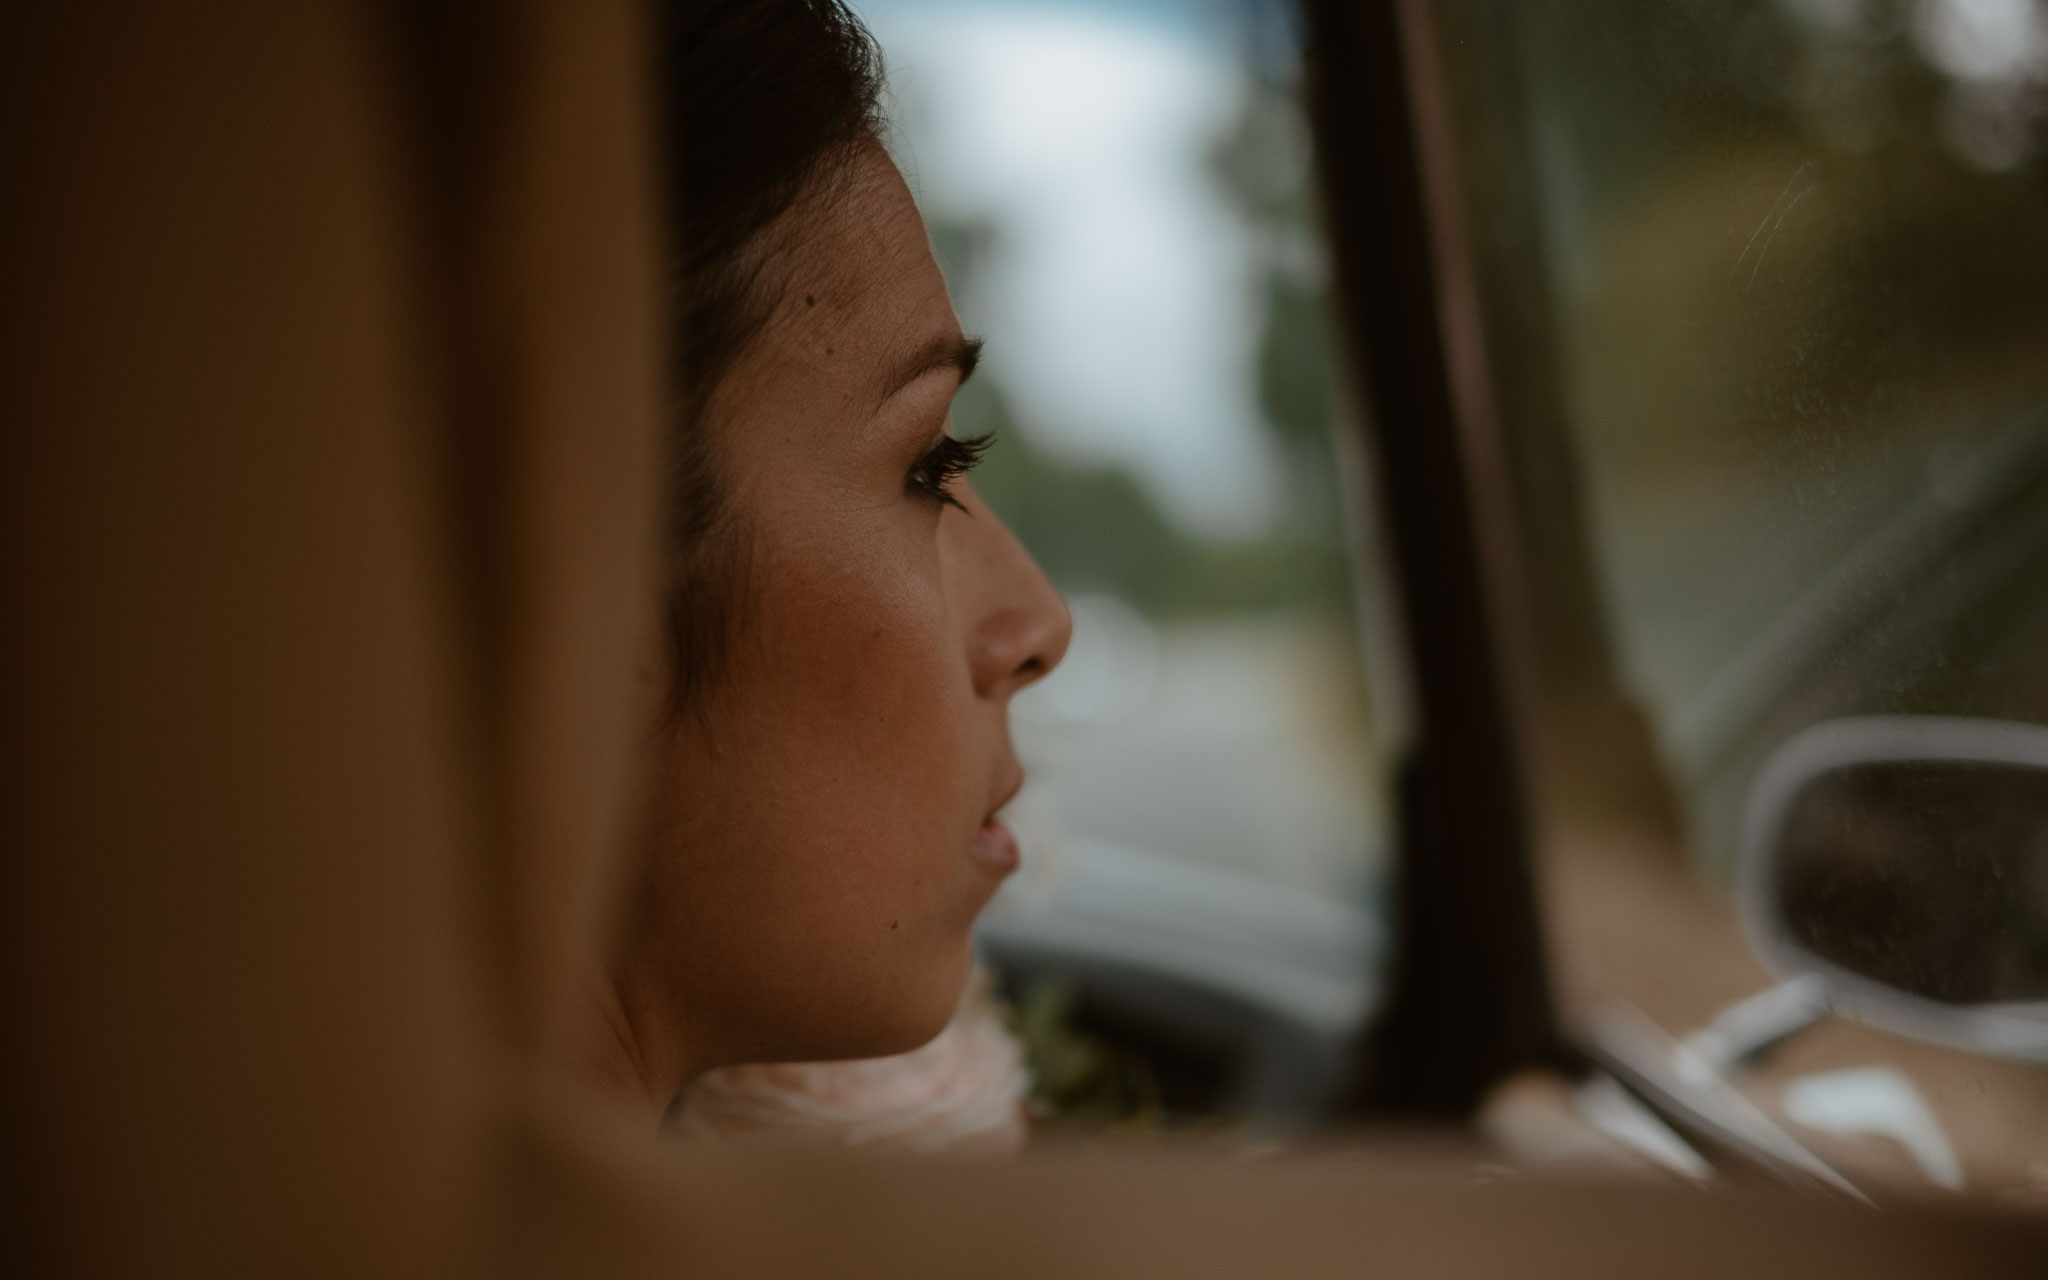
(1077,1078)
(1294,362)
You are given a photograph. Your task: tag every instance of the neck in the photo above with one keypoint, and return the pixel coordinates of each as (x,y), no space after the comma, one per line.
(633,1055)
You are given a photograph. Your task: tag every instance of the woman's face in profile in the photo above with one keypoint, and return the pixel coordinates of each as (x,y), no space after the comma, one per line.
(821,836)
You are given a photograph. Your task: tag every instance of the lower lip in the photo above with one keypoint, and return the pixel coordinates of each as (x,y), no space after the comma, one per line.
(994,845)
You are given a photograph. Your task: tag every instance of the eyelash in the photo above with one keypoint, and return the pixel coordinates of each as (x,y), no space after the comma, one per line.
(945,462)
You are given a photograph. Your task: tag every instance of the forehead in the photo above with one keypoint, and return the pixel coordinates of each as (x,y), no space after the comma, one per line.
(858,266)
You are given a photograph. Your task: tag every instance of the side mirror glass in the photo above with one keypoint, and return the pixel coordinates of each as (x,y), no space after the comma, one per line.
(1904,860)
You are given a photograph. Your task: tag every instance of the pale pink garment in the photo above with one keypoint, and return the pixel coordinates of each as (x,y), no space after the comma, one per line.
(964,1091)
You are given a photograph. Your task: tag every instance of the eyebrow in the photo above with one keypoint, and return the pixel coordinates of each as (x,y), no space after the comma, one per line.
(950,351)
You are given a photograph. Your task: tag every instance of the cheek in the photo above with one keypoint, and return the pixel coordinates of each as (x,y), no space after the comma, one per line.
(837,790)
(866,691)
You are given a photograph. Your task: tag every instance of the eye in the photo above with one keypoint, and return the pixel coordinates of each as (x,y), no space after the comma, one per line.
(946,461)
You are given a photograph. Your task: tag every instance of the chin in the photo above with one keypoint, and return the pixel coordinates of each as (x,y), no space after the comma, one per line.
(916,1016)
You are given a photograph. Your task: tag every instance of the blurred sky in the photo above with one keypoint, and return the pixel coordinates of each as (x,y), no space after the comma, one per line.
(1120,296)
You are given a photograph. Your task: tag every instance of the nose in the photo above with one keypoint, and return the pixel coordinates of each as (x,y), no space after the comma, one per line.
(1017,624)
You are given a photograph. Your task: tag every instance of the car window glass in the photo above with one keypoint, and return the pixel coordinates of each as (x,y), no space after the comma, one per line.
(1790,263)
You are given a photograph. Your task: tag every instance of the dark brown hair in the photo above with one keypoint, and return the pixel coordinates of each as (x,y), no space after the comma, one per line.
(762,103)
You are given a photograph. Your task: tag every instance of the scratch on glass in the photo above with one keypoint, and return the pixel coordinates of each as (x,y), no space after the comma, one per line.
(1774,217)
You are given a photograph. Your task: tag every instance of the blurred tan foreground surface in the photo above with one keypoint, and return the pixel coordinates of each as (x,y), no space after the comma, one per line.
(328,377)
(1412,1214)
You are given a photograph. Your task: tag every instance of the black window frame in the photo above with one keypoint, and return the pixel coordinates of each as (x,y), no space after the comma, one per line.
(1469,997)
